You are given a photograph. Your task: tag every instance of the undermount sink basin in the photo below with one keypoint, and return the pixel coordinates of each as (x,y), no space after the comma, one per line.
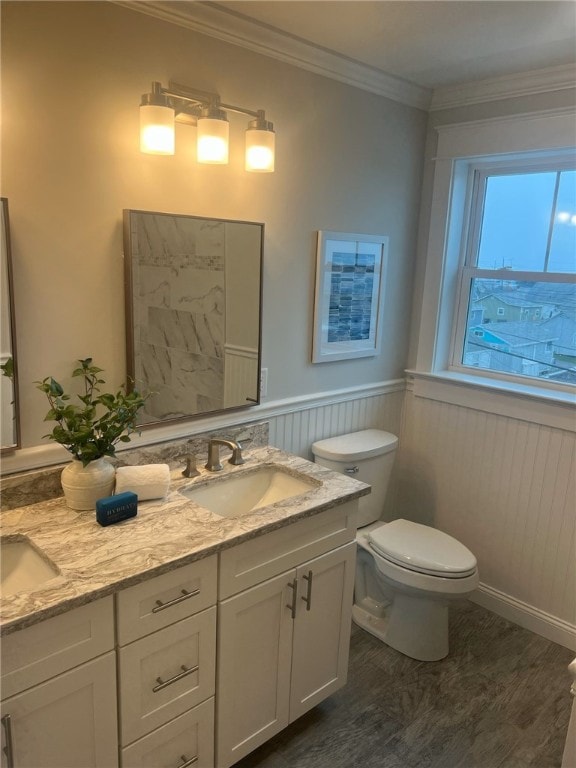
(239,494)
(23,566)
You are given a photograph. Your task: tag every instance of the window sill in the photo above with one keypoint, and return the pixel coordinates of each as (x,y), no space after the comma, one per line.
(517,401)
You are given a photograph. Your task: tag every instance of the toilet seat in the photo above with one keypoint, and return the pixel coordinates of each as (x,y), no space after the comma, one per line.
(421,549)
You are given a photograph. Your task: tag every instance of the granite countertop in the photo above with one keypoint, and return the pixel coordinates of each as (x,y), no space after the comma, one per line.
(94,561)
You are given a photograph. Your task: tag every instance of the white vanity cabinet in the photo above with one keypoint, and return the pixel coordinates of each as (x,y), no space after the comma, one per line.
(166,668)
(195,667)
(59,692)
(284,627)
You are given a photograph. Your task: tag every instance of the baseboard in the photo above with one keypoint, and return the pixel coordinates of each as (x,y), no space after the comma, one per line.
(525,615)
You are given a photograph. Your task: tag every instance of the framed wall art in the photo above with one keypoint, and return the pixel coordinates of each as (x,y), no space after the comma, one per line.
(350,271)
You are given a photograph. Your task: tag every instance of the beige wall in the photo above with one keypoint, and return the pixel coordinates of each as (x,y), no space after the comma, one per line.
(72,77)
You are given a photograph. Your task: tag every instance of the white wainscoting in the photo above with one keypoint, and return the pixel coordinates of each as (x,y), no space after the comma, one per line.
(294,423)
(506,488)
(296,429)
(240,373)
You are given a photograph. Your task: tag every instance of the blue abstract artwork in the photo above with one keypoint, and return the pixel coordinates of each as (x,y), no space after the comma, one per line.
(348,303)
(351,289)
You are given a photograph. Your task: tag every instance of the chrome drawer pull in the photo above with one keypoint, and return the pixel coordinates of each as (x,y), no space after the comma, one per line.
(352,470)
(186,762)
(308,598)
(184,596)
(294,587)
(9,748)
(165,683)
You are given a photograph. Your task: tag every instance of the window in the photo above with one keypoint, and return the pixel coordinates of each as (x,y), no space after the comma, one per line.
(469,158)
(518,273)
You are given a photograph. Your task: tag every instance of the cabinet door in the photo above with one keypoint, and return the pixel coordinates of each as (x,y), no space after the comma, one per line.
(67,722)
(322,628)
(255,640)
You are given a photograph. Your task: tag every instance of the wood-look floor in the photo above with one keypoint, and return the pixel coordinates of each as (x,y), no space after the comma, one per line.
(499,700)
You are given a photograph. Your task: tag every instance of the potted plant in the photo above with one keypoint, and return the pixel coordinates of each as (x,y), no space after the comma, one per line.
(89,430)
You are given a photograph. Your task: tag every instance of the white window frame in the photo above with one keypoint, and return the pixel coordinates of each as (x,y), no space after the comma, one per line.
(532,138)
(478,175)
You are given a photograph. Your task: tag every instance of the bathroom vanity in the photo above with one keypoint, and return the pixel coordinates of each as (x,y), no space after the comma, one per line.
(180,637)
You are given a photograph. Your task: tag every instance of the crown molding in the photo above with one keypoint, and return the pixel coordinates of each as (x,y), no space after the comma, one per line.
(506,87)
(208,19)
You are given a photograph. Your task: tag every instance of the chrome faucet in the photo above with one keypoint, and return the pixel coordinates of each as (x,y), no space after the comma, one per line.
(213,464)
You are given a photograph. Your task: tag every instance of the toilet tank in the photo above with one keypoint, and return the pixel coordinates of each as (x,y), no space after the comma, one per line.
(368,456)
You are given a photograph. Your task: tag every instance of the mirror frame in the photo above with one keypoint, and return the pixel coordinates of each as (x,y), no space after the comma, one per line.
(129,314)
(11,308)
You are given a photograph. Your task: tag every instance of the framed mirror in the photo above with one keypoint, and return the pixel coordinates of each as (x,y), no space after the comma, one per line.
(9,414)
(193,313)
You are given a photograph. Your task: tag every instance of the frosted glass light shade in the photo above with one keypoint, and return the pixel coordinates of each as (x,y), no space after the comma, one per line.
(156,129)
(260,147)
(212,141)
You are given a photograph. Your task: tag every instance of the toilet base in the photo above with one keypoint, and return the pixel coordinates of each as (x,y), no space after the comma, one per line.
(416,627)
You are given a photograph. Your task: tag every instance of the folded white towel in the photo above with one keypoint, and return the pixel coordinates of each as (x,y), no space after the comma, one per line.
(147,481)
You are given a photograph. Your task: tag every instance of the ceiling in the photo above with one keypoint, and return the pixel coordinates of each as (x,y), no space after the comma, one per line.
(430,43)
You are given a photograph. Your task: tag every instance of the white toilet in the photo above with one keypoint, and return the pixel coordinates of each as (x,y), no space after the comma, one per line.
(405,572)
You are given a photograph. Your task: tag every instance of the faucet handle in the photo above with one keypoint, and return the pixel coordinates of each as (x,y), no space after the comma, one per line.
(190,469)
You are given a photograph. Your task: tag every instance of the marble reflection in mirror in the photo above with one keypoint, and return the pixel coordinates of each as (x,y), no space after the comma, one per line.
(9,421)
(193,308)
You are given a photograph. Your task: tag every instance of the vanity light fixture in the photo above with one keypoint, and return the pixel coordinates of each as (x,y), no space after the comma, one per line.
(162,107)
(156,123)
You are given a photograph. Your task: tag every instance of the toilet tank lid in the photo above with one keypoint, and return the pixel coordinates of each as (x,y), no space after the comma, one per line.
(355,445)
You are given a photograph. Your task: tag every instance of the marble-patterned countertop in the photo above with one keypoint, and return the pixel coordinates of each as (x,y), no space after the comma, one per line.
(94,561)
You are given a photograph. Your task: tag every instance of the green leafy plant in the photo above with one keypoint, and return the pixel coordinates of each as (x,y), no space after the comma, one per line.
(7,368)
(91,429)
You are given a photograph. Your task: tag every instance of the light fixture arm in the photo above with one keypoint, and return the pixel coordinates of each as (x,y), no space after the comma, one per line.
(205,99)
(241,110)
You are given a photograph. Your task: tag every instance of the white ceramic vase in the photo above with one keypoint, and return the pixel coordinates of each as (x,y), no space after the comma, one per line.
(83,486)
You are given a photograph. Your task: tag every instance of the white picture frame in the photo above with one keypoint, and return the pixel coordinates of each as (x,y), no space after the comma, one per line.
(348,300)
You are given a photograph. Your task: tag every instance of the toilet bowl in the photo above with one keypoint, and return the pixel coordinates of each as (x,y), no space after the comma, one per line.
(406,573)
(412,596)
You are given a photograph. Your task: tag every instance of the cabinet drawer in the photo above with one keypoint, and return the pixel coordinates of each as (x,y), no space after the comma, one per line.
(186,741)
(160,601)
(166,673)
(44,650)
(262,558)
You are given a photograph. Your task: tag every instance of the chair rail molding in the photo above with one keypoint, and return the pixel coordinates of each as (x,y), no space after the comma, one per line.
(338,403)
